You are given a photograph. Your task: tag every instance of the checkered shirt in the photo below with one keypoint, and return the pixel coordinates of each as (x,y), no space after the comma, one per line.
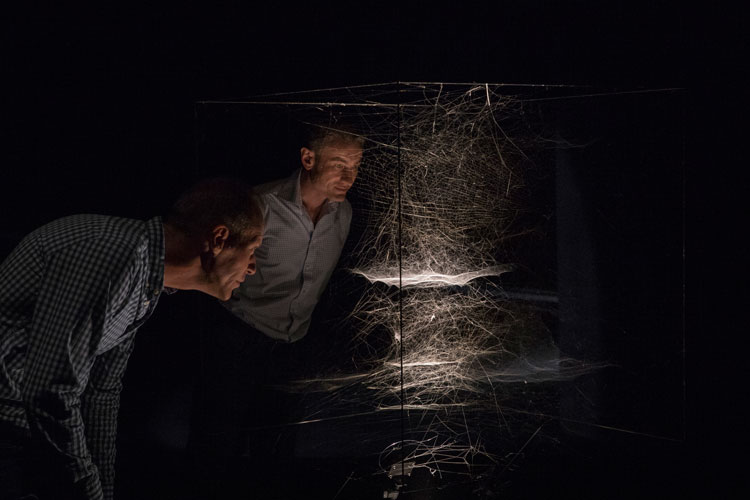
(72,295)
(294,262)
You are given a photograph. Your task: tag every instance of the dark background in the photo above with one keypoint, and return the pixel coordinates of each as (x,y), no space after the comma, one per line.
(98,115)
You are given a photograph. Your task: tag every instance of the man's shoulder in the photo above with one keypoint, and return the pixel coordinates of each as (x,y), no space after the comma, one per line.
(277,187)
(94,224)
(78,229)
(345,209)
(93,220)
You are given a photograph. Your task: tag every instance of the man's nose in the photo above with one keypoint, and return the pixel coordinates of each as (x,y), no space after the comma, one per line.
(251,268)
(348,176)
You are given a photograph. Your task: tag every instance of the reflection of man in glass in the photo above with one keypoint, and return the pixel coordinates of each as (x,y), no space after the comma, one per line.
(72,295)
(307,221)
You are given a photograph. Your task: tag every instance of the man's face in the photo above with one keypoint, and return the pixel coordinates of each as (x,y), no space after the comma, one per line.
(231,266)
(333,168)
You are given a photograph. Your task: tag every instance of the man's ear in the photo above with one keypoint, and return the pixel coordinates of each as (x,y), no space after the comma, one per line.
(218,240)
(308,158)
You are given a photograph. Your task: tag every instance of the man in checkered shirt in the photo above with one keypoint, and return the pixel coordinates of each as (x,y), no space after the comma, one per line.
(72,295)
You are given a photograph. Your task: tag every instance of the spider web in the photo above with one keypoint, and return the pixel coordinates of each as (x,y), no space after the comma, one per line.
(436,337)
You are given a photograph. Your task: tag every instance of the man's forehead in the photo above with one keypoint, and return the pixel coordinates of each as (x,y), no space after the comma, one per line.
(343,149)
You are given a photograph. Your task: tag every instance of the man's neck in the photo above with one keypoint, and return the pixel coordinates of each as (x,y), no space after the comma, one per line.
(182,264)
(312,200)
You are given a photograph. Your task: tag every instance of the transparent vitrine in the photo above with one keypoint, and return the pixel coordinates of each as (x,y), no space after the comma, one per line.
(507,313)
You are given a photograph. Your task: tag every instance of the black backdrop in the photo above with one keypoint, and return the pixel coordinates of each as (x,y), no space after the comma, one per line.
(98,106)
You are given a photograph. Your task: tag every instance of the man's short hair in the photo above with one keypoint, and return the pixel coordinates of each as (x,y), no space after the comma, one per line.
(319,134)
(218,201)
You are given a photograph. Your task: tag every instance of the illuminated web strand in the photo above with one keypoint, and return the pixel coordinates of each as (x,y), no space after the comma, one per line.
(429,279)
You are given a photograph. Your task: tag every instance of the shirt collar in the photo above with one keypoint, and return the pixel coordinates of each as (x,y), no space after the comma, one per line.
(289,190)
(297,193)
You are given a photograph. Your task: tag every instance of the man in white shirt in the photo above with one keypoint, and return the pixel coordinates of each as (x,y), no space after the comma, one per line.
(306,221)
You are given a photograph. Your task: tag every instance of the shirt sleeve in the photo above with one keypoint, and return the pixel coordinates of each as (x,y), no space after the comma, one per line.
(100,404)
(66,326)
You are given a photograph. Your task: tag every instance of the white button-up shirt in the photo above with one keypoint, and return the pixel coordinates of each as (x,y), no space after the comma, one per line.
(294,262)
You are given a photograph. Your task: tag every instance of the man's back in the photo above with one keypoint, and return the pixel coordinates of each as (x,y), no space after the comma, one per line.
(84,263)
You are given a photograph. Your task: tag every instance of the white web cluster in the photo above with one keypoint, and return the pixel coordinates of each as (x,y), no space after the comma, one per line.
(456,185)
(457,341)
(444,208)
